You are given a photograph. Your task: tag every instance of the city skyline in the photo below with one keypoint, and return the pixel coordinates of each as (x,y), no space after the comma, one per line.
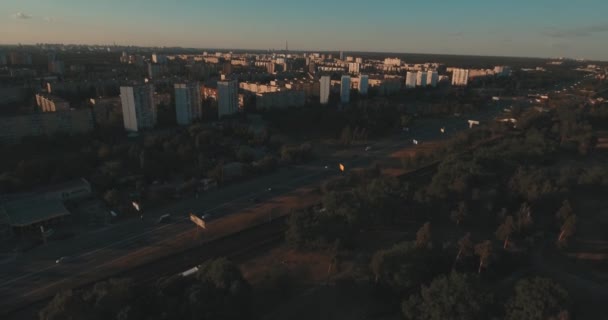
(517,28)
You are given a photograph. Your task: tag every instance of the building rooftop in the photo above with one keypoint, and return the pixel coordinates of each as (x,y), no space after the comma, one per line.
(30,211)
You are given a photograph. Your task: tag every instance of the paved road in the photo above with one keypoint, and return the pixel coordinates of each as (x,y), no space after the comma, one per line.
(35,273)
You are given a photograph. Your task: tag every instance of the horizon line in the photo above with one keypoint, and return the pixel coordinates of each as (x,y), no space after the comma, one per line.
(304,51)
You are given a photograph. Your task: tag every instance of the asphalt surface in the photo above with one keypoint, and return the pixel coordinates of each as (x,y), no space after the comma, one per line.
(35,275)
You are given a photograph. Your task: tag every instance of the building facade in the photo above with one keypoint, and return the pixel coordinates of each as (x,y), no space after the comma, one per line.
(432,78)
(460,77)
(325,87)
(363,84)
(188,103)
(421,79)
(410,80)
(138,107)
(13,129)
(228,97)
(345,89)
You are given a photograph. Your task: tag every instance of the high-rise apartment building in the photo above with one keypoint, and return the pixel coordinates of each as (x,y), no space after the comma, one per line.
(460,77)
(421,79)
(325,87)
(187,102)
(228,97)
(354,68)
(363,84)
(432,78)
(345,89)
(138,107)
(410,80)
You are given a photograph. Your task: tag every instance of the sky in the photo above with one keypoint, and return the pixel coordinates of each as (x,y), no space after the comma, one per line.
(530,28)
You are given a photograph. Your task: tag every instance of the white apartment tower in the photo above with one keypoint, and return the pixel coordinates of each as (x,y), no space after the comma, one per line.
(363,84)
(460,77)
(410,80)
(345,89)
(187,102)
(325,87)
(421,79)
(138,107)
(227,97)
(432,78)
(354,68)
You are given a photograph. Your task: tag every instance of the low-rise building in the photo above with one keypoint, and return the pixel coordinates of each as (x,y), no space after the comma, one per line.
(13,129)
(280,99)
(50,103)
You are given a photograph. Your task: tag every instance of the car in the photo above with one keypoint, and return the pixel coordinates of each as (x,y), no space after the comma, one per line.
(164,218)
(368,148)
(326,167)
(269,189)
(62,260)
(206,216)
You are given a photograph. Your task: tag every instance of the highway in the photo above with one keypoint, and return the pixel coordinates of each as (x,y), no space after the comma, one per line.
(34,276)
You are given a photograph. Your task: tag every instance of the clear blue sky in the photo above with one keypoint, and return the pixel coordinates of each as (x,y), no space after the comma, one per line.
(546,28)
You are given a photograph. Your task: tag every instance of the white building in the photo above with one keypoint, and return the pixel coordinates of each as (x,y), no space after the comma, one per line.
(228,97)
(460,77)
(187,102)
(345,89)
(363,84)
(421,79)
(410,80)
(325,87)
(138,107)
(432,78)
(392,62)
(354,68)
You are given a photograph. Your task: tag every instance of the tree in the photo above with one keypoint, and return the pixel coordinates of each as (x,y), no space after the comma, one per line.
(112,197)
(484,251)
(505,230)
(537,298)
(567,230)
(524,218)
(404,266)
(460,213)
(465,246)
(564,212)
(423,236)
(65,305)
(457,296)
